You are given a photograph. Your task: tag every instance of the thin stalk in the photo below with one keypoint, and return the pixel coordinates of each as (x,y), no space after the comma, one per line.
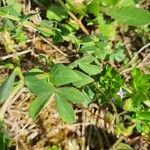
(9,100)
(117,143)
(24,23)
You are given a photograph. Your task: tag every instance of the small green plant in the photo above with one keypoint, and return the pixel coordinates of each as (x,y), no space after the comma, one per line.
(5,140)
(92,27)
(64,83)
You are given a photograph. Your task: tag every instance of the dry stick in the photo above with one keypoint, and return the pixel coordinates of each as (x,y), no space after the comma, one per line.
(140,64)
(117,143)
(23,144)
(135,56)
(55,47)
(75,18)
(4,2)
(18,54)
(79,23)
(22,129)
(83,129)
(133,59)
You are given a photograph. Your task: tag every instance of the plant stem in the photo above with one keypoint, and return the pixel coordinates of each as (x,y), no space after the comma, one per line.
(117,142)
(74,18)
(9,100)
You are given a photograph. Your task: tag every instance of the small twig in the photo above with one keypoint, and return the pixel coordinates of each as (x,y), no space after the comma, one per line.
(23,144)
(117,142)
(4,2)
(83,129)
(126,70)
(70,126)
(146,58)
(75,18)
(134,58)
(22,129)
(79,23)
(136,55)
(18,54)
(144,47)
(55,47)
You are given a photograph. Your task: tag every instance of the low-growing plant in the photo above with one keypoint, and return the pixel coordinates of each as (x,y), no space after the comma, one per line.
(91,26)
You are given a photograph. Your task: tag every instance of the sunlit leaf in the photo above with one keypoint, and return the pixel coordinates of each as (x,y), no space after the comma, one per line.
(89,69)
(71,94)
(38,87)
(85,79)
(61,75)
(56,12)
(7,86)
(143,116)
(123,146)
(65,110)
(131,15)
(38,104)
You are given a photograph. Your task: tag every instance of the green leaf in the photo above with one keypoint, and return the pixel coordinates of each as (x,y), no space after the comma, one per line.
(89,69)
(76,9)
(138,98)
(2,12)
(56,12)
(65,110)
(108,2)
(86,59)
(108,30)
(61,75)
(102,50)
(9,10)
(7,86)
(10,2)
(9,24)
(93,7)
(45,28)
(128,105)
(140,81)
(4,138)
(38,104)
(131,15)
(118,55)
(123,146)
(57,36)
(2,142)
(128,130)
(88,48)
(124,3)
(71,94)
(101,53)
(38,87)
(85,79)
(143,116)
